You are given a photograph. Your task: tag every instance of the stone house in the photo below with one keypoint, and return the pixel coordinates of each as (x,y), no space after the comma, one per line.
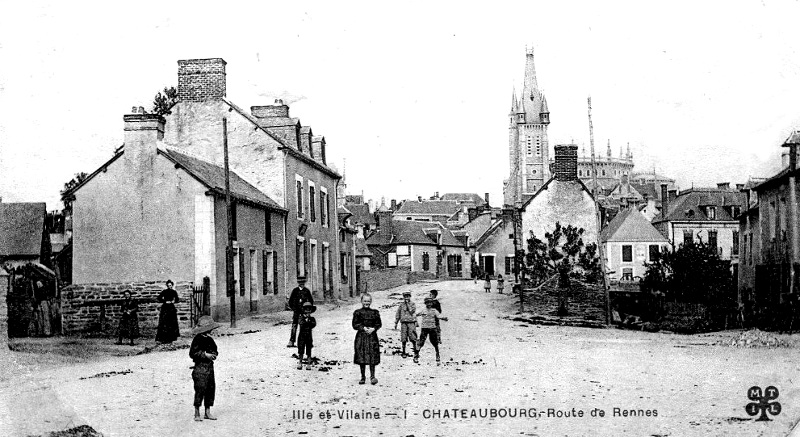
(276,154)
(770,241)
(153,213)
(629,241)
(707,214)
(563,198)
(423,247)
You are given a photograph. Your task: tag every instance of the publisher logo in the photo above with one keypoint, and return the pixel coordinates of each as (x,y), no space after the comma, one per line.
(763,402)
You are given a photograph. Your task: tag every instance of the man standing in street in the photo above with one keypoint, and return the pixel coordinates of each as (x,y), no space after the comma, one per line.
(299,296)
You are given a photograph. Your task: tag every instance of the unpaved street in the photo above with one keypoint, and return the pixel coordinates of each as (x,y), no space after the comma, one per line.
(489,363)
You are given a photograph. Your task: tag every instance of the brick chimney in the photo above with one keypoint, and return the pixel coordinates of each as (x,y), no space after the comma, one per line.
(201,79)
(723,185)
(279,110)
(664,201)
(565,167)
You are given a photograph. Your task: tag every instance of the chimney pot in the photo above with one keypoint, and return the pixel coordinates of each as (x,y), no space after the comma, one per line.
(201,79)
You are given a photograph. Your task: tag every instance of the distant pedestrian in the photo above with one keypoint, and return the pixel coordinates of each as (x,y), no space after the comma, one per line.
(366,322)
(305,340)
(204,352)
(434,294)
(168,330)
(407,317)
(429,317)
(299,296)
(487,283)
(500,283)
(129,322)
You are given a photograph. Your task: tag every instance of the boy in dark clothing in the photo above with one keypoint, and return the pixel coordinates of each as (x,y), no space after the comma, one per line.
(438,307)
(305,340)
(429,317)
(204,351)
(299,296)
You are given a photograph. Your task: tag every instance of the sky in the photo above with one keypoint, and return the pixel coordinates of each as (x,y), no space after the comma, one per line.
(412,97)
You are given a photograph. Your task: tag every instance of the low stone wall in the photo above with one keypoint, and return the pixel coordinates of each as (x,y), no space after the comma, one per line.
(584,301)
(384,279)
(414,277)
(78,318)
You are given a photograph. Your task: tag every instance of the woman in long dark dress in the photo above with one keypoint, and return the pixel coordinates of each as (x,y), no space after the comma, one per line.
(168,330)
(366,322)
(129,322)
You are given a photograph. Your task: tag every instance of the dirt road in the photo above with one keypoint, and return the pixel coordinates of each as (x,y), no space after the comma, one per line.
(558,378)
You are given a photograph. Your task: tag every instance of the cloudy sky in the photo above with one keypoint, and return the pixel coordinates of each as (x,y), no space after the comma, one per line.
(414,95)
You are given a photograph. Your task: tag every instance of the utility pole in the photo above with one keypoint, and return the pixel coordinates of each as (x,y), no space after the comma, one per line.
(598,221)
(792,142)
(230,285)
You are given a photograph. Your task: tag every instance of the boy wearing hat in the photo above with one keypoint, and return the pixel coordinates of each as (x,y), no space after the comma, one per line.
(203,351)
(407,316)
(299,296)
(305,340)
(429,317)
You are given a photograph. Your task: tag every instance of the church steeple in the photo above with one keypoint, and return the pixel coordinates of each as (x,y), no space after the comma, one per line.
(531,95)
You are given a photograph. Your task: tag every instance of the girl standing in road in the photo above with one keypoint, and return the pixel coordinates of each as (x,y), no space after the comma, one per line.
(487,283)
(366,322)
(168,330)
(500,282)
(129,322)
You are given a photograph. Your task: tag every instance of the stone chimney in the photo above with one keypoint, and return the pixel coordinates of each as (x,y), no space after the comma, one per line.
(142,133)
(565,167)
(419,199)
(472,214)
(486,198)
(664,201)
(201,79)
(724,186)
(739,187)
(394,204)
(384,221)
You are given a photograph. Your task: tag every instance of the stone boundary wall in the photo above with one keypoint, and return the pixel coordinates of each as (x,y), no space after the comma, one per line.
(84,319)
(414,277)
(4,311)
(384,279)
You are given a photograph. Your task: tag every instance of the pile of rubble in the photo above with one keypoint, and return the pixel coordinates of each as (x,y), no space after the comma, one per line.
(758,338)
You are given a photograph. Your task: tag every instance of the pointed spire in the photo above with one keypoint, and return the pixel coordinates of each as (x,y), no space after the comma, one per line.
(513,100)
(628,155)
(531,96)
(545,110)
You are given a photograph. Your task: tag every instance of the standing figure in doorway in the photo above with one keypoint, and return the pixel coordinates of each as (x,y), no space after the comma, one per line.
(299,296)
(168,330)
(366,322)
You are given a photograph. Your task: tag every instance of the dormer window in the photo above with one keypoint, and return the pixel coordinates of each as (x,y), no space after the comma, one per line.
(711,212)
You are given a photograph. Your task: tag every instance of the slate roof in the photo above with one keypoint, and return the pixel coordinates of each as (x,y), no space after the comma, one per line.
(629,225)
(21,228)
(464,197)
(213,176)
(360,213)
(688,206)
(413,232)
(646,189)
(429,207)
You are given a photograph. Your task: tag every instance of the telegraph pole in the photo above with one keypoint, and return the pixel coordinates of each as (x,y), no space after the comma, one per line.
(598,221)
(229,277)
